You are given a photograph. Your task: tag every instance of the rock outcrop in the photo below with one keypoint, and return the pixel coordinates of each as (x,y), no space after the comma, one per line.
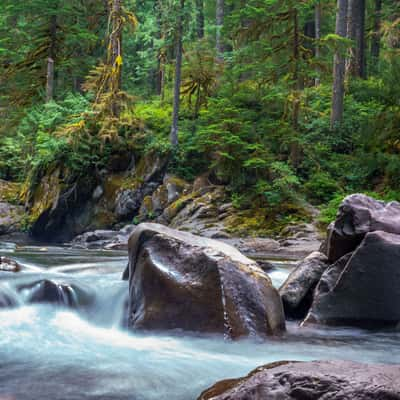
(359,214)
(366,290)
(297,291)
(359,284)
(333,380)
(11,213)
(185,282)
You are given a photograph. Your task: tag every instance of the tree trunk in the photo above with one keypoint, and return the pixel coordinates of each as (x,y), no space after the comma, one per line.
(356,32)
(200,18)
(115,53)
(298,85)
(219,25)
(178,76)
(339,66)
(376,36)
(318,15)
(50,59)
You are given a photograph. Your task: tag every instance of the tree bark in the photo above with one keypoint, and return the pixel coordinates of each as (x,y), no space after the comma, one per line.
(200,18)
(178,77)
(115,56)
(318,16)
(51,58)
(356,32)
(219,26)
(339,66)
(376,36)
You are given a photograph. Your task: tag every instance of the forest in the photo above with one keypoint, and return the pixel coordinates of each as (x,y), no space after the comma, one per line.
(199,199)
(283,102)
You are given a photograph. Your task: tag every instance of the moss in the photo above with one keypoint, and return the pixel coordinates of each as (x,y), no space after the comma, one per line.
(10,192)
(179,183)
(104,219)
(172,210)
(264,223)
(45,195)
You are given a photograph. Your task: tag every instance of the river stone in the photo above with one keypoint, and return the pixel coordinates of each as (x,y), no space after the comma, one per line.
(181,281)
(365,291)
(317,380)
(48,291)
(359,214)
(298,288)
(9,265)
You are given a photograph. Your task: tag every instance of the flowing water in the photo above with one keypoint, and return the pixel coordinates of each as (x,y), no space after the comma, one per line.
(53,352)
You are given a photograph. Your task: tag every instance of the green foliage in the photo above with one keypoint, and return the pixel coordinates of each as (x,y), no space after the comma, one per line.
(321,187)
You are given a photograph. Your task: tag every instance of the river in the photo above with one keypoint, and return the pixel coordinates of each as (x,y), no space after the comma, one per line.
(53,352)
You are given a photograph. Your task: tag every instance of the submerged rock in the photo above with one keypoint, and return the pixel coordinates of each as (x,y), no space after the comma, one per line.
(47,291)
(9,265)
(359,214)
(7,299)
(365,291)
(297,291)
(181,281)
(333,380)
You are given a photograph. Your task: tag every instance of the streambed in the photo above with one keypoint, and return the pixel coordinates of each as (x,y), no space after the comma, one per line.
(51,352)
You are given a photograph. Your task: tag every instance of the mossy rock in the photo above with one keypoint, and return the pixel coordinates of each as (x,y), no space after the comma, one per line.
(46,194)
(264,222)
(10,192)
(146,210)
(173,209)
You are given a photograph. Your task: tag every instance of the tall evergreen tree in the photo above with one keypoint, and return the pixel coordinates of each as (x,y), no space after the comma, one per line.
(339,65)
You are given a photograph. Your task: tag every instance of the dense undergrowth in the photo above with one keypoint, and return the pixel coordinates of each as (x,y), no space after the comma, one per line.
(256,122)
(243,138)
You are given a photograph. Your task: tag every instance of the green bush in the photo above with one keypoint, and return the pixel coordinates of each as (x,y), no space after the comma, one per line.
(321,187)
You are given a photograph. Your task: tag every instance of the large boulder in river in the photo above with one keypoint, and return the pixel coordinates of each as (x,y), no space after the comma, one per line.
(333,380)
(186,282)
(359,214)
(297,291)
(364,289)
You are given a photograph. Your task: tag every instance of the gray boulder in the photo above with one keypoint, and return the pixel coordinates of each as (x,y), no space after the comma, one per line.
(186,282)
(298,288)
(128,203)
(317,380)
(10,218)
(359,214)
(364,289)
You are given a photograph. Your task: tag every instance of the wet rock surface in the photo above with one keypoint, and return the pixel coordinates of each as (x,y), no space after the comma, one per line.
(364,292)
(297,291)
(50,291)
(181,281)
(359,214)
(105,239)
(9,265)
(333,380)
(359,284)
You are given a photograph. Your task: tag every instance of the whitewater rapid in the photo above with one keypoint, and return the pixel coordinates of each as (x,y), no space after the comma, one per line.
(52,352)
